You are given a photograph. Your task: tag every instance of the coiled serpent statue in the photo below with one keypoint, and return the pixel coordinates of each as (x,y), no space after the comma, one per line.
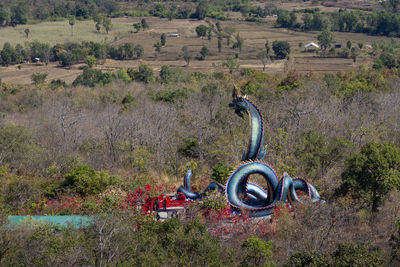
(242,194)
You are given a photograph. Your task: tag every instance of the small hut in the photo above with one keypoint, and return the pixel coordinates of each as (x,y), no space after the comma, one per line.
(311,46)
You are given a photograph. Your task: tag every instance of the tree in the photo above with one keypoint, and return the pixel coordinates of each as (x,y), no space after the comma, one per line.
(319,23)
(281,49)
(325,39)
(144,24)
(144,74)
(220,171)
(98,27)
(231,63)
(283,19)
(157,47)
(349,44)
(317,154)
(372,173)
(308,20)
(90,61)
(229,31)
(355,52)
(356,255)
(18,14)
(303,258)
(201,30)
(204,52)
(137,26)
(7,54)
(84,180)
(267,48)
(201,10)
(187,56)
(4,16)
(239,43)
(163,39)
(71,21)
(257,252)
(138,51)
(264,58)
(219,43)
(38,78)
(26,31)
(107,24)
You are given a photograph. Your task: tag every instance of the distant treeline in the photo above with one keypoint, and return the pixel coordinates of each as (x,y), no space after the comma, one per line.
(67,54)
(376,23)
(13,12)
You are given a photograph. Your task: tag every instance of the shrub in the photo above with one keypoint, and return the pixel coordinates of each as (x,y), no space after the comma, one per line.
(38,78)
(144,74)
(169,95)
(84,180)
(92,77)
(257,252)
(221,172)
(281,49)
(300,259)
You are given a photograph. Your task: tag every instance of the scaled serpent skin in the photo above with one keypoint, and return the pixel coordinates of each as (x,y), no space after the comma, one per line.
(242,194)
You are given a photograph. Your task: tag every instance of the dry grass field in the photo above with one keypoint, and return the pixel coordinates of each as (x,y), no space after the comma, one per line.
(255,35)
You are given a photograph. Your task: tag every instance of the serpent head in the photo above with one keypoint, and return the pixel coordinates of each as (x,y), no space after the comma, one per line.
(239,103)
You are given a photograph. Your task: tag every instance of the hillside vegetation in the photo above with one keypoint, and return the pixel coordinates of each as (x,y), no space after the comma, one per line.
(100,110)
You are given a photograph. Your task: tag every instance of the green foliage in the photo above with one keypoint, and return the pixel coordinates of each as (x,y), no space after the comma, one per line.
(189,147)
(372,173)
(26,31)
(353,255)
(187,56)
(346,255)
(201,30)
(171,75)
(38,78)
(54,84)
(250,88)
(317,154)
(163,39)
(123,75)
(141,158)
(92,77)
(144,24)
(17,191)
(387,60)
(290,82)
(86,181)
(107,24)
(300,259)
(214,201)
(231,63)
(325,39)
(221,172)
(17,145)
(90,61)
(138,50)
(239,43)
(257,252)
(157,46)
(204,52)
(169,95)
(143,74)
(284,19)
(281,49)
